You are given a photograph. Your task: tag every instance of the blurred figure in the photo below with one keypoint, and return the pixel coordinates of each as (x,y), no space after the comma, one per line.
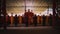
(16,20)
(39,19)
(7,20)
(44,20)
(29,16)
(26,20)
(47,20)
(20,19)
(50,20)
(23,19)
(11,19)
(35,20)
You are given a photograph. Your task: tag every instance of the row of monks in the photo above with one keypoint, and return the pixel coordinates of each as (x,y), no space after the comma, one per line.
(28,18)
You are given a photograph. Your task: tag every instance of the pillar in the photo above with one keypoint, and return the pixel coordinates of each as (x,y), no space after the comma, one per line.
(3,8)
(54,12)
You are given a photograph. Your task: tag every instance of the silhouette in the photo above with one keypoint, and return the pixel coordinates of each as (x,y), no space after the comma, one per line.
(20,19)
(44,20)
(35,20)
(8,20)
(11,19)
(39,19)
(26,20)
(16,20)
(23,19)
(29,16)
(50,20)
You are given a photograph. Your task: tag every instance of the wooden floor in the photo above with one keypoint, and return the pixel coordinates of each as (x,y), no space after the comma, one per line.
(29,30)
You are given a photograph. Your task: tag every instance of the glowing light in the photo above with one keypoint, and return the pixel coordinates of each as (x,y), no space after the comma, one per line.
(28,5)
(10,14)
(46,12)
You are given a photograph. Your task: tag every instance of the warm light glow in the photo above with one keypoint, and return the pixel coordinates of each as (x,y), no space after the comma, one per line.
(46,13)
(18,7)
(29,4)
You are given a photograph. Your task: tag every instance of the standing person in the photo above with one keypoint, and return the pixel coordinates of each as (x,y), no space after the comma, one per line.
(20,19)
(23,19)
(39,19)
(8,20)
(44,20)
(16,20)
(26,20)
(35,20)
(31,17)
(11,19)
(50,20)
